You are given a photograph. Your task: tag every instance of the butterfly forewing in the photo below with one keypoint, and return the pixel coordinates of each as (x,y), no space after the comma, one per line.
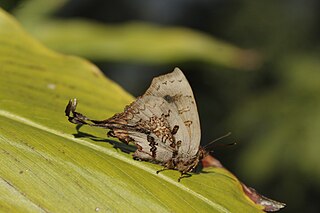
(174,88)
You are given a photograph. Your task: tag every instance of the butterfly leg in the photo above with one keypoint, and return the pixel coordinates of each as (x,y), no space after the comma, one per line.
(184,175)
(161,170)
(167,166)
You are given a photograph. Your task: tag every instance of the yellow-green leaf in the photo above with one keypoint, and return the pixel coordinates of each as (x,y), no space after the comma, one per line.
(45,168)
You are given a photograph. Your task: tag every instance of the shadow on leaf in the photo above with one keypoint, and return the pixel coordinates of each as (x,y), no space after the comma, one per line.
(117,145)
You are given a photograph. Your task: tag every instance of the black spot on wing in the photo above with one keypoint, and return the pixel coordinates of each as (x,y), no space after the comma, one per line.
(175,130)
(169,98)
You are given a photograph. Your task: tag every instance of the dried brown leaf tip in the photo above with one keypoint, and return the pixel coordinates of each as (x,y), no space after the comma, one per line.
(268,204)
(163,123)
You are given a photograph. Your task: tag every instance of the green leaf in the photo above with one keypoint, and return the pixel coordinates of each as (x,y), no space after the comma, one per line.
(136,42)
(45,168)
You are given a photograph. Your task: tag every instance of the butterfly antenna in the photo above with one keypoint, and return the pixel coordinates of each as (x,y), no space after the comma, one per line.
(215,140)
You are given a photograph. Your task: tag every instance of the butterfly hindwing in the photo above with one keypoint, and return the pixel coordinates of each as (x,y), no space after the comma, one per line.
(157,130)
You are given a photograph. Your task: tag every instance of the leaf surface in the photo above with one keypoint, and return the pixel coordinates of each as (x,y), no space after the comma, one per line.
(47,167)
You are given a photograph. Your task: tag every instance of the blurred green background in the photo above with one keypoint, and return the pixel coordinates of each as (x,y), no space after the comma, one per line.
(253,65)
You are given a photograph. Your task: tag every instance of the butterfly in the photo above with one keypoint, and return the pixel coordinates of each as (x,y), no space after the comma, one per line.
(163,123)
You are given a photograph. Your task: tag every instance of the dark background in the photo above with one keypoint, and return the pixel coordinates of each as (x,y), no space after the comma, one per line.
(271,109)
